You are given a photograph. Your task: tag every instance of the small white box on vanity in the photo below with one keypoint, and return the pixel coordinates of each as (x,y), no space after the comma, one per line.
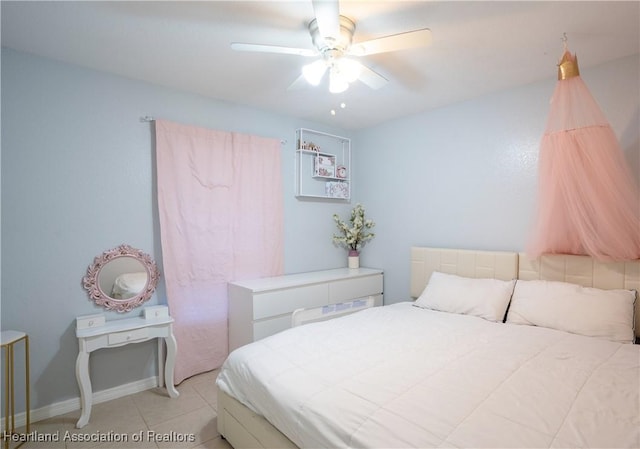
(155,312)
(89,321)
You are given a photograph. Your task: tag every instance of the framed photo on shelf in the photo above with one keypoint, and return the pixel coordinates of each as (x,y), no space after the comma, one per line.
(324,165)
(337,189)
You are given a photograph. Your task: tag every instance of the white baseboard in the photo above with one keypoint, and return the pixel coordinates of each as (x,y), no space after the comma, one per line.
(71,405)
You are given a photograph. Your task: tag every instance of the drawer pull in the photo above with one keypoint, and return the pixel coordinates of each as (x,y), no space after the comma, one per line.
(128,336)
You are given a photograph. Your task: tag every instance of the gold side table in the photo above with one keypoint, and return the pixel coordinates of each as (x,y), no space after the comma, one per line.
(9,339)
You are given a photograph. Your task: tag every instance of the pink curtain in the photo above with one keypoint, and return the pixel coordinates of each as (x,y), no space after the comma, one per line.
(221,219)
(588,202)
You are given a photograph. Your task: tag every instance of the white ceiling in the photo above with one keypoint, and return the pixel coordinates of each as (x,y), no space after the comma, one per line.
(478,47)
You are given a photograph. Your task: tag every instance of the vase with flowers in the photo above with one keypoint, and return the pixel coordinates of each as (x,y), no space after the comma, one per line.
(354,233)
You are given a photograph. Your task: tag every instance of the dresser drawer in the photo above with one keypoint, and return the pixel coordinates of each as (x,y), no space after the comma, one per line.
(278,302)
(128,336)
(271,326)
(348,289)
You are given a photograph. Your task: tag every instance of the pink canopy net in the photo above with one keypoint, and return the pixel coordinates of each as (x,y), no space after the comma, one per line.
(588,201)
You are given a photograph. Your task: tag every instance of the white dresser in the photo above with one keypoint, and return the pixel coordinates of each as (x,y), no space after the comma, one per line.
(261,307)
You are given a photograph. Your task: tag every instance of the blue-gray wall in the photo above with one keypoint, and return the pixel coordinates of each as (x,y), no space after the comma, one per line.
(465,176)
(78,178)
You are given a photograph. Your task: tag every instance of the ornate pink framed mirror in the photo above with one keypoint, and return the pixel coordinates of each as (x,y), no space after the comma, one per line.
(121,278)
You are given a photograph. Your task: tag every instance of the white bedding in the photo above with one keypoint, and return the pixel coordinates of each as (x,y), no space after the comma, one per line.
(402,376)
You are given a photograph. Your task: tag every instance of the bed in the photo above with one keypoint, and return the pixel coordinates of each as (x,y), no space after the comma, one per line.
(436,372)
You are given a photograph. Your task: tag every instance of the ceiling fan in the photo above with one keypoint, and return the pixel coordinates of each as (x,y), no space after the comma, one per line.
(332,37)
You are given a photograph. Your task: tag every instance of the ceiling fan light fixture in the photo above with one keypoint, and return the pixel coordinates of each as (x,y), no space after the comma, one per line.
(332,38)
(337,82)
(314,72)
(349,69)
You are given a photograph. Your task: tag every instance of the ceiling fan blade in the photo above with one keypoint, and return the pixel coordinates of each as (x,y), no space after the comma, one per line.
(327,14)
(372,79)
(299,83)
(239,46)
(401,41)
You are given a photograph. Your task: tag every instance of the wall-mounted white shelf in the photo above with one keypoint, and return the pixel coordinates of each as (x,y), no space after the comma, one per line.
(323,165)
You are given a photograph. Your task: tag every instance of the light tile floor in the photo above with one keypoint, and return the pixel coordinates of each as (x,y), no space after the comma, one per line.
(150,417)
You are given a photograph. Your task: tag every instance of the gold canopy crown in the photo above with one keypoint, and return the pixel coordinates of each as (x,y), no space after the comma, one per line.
(568,66)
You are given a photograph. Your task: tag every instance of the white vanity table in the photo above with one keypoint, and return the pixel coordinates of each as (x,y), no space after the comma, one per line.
(94,333)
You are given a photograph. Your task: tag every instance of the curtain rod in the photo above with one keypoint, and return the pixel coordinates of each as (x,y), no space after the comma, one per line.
(148,119)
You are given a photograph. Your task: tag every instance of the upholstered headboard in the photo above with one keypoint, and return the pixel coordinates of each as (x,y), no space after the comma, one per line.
(468,263)
(582,270)
(585,271)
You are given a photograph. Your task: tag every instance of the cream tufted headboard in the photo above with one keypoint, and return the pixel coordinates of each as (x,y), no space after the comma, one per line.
(582,270)
(468,263)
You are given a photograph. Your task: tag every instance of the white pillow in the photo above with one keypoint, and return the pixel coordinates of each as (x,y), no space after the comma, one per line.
(484,298)
(606,314)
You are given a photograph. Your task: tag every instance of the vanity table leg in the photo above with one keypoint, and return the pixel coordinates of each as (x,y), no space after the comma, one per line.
(161,362)
(84,382)
(169,365)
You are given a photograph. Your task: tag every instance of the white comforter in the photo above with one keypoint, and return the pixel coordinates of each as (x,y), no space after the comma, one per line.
(401,376)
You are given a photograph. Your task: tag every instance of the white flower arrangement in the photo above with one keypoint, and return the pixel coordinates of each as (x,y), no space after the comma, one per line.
(355,234)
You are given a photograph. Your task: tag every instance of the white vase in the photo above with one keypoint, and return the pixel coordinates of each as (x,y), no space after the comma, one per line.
(354,259)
